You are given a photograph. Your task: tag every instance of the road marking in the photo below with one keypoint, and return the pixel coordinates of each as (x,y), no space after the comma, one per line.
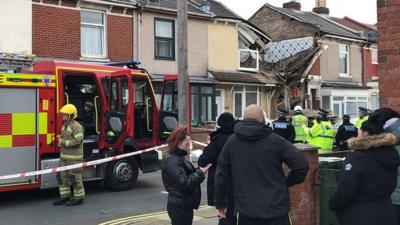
(139,217)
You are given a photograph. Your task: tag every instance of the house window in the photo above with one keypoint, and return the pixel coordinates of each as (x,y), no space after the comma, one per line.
(374,101)
(93,38)
(345,104)
(344,60)
(164,40)
(203,103)
(374,56)
(243,97)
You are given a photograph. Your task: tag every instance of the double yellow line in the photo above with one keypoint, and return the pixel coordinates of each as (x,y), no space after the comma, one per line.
(138,217)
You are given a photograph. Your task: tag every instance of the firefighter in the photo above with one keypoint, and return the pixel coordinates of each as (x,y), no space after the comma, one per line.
(71,143)
(322,133)
(300,123)
(283,127)
(346,131)
(363,113)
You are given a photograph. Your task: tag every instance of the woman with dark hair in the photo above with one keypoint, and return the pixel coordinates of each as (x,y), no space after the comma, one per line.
(368,179)
(181,179)
(390,120)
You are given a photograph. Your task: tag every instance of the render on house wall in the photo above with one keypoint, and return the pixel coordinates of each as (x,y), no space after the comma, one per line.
(223,45)
(330,67)
(18,38)
(197,46)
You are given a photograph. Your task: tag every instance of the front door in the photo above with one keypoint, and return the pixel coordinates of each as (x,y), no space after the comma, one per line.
(219,101)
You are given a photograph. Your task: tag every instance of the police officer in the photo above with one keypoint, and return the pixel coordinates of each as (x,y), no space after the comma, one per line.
(71,143)
(283,127)
(300,123)
(363,113)
(346,131)
(322,133)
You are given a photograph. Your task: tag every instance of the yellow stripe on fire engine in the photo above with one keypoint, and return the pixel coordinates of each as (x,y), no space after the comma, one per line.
(5,141)
(23,123)
(31,80)
(50,138)
(43,123)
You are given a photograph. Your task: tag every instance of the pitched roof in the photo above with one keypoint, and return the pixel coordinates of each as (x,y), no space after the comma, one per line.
(218,8)
(367,30)
(172,6)
(320,22)
(242,77)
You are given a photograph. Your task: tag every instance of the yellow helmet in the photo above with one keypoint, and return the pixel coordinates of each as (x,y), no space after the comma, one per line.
(69,109)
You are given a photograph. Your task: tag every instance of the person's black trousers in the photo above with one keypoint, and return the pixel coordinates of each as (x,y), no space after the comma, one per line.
(180,215)
(282,220)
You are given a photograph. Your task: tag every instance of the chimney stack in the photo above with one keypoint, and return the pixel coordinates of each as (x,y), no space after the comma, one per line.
(320,7)
(293,4)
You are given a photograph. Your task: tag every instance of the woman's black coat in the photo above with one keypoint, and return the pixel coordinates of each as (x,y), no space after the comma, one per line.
(181,180)
(367,181)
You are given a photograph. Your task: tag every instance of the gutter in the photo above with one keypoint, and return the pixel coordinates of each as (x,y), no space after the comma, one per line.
(345,38)
(174,11)
(131,6)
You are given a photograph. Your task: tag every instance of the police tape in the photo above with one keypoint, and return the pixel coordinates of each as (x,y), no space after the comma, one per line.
(85,164)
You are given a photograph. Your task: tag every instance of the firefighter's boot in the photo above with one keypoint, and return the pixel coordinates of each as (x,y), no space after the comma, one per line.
(60,201)
(74,202)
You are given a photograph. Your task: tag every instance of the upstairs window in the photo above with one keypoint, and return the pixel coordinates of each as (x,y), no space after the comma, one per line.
(164,40)
(374,56)
(93,42)
(344,60)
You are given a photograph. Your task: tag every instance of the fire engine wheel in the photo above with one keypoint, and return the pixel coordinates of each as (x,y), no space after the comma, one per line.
(122,174)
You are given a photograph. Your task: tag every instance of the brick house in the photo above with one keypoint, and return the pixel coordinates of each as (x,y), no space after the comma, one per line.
(336,79)
(389,53)
(98,31)
(370,70)
(156,48)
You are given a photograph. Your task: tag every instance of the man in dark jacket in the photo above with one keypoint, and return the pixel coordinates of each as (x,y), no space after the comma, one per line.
(283,127)
(226,123)
(251,163)
(346,131)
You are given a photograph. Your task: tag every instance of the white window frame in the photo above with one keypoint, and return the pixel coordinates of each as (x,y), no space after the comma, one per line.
(104,26)
(249,68)
(374,60)
(243,96)
(348,61)
(346,99)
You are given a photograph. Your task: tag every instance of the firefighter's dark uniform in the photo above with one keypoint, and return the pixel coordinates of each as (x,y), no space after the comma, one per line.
(283,127)
(346,131)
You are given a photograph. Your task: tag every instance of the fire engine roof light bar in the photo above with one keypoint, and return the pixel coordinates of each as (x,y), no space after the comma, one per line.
(127,64)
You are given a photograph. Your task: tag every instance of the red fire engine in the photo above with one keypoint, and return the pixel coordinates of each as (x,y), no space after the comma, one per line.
(116,106)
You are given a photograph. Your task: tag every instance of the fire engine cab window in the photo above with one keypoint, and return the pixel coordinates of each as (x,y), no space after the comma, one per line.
(143,109)
(125,94)
(170,96)
(114,96)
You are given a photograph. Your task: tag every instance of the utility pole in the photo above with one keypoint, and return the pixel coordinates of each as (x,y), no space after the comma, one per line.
(183,74)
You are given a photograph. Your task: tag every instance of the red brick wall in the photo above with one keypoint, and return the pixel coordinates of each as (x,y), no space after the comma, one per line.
(389,53)
(55,32)
(316,68)
(370,69)
(120,38)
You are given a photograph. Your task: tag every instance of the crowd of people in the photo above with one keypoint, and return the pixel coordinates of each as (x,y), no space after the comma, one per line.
(246,182)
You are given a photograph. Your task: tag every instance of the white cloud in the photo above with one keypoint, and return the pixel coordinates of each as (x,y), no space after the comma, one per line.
(361,10)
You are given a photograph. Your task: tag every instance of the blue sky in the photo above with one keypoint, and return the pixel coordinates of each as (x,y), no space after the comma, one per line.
(361,10)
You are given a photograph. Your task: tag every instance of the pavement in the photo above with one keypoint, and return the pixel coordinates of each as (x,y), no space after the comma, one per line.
(204,216)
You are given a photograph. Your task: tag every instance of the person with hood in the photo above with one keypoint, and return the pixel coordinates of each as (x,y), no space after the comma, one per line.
(226,123)
(390,120)
(283,127)
(181,179)
(300,123)
(368,179)
(346,131)
(251,164)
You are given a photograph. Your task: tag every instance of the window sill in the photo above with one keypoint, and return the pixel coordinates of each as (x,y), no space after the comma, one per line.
(165,59)
(94,59)
(342,75)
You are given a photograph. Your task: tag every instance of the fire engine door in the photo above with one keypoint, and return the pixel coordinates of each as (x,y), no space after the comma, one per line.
(120,107)
(169,107)
(19,128)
